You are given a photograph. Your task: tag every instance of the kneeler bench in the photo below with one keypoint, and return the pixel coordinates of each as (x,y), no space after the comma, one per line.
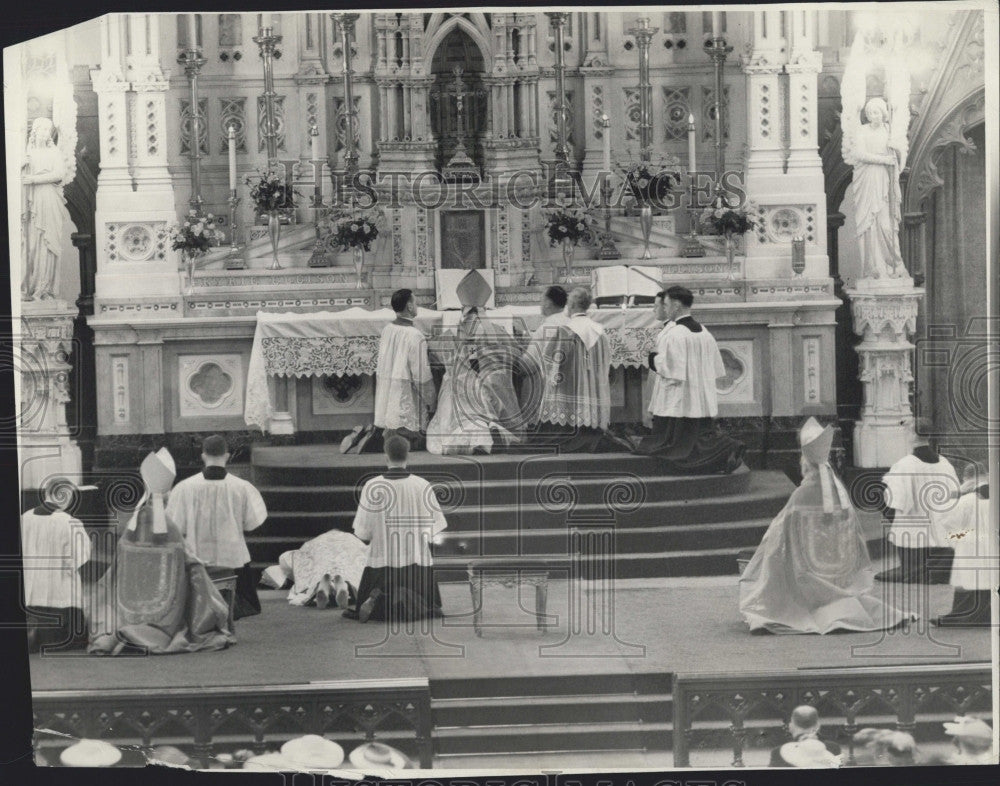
(224,580)
(514,571)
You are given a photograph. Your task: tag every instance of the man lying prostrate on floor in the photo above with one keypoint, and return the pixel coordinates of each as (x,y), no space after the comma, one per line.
(399,515)
(212,510)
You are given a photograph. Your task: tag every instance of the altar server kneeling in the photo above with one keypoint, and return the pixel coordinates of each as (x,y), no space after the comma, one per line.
(399,515)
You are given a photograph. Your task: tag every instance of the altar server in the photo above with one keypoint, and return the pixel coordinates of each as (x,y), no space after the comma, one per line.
(974,534)
(919,494)
(54,546)
(212,510)
(811,573)
(404,387)
(477,409)
(684,401)
(157,596)
(575,407)
(399,515)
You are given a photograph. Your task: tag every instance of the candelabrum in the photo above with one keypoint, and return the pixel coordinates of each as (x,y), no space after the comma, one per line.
(192,61)
(345,23)
(235,259)
(268,42)
(558,21)
(643,34)
(719,51)
(319,257)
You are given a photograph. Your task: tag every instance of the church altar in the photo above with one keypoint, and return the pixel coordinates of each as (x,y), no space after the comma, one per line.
(345,343)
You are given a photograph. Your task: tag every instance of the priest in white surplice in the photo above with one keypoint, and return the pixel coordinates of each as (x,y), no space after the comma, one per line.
(404,386)
(684,400)
(920,493)
(553,308)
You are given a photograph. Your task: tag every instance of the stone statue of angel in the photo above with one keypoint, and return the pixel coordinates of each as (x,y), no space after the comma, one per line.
(877,150)
(45,218)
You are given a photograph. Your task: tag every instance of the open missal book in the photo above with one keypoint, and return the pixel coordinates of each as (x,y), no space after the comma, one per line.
(616,285)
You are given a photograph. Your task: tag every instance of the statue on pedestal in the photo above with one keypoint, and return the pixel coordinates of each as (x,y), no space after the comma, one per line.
(877,195)
(45,216)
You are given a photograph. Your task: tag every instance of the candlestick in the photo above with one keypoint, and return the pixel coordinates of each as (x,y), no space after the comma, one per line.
(643,34)
(234,261)
(692,140)
(267,42)
(557,19)
(608,248)
(314,143)
(192,32)
(232,158)
(606,125)
(192,61)
(345,22)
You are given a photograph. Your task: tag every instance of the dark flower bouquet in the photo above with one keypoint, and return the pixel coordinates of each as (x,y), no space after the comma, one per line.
(269,192)
(722,219)
(568,224)
(357,231)
(195,235)
(650,183)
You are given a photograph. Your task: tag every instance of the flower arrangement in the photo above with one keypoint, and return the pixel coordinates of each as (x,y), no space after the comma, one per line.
(195,235)
(355,231)
(568,224)
(649,182)
(269,192)
(723,219)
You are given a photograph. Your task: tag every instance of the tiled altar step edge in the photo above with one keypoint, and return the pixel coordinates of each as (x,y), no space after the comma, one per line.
(586,489)
(311,468)
(531,515)
(516,710)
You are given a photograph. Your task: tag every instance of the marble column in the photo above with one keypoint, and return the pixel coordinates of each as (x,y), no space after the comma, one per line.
(885,319)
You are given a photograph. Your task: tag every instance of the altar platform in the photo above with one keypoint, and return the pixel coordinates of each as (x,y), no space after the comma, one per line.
(514,691)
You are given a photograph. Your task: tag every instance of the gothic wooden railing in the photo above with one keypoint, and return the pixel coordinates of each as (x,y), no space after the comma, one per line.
(758,704)
(396,711)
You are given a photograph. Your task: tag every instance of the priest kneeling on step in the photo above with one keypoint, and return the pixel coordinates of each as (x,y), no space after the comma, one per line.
(399,515)
(684,399)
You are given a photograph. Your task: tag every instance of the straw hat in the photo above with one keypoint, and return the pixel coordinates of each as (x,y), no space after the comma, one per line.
(816,441)
(268,762)
(377,754)
(809,752)
(313,752)
(965,727)
(91,753)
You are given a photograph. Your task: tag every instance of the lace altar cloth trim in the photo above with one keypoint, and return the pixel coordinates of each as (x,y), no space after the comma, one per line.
(346,342)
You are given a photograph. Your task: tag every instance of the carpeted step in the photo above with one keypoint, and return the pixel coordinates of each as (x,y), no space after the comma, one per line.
(553,737)
(504,711)
(588,487)
(516,685)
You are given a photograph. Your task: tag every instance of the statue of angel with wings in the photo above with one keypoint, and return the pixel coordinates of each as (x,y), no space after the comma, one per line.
(877,150)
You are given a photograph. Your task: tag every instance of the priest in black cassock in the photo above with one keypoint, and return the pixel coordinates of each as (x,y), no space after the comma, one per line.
(684,400)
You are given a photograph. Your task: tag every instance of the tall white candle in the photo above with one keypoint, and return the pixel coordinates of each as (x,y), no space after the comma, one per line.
(192,32)
(692,164)
(314,143)
(265,21)
(232,158)
(716,24)
(607,142)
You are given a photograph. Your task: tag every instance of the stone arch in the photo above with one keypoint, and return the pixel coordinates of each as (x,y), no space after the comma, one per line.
(442,27)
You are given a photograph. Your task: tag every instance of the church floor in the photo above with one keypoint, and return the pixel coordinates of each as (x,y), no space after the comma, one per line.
(684,625)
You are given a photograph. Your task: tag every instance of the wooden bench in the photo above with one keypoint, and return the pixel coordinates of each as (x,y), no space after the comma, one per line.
(224,580)
(514,571)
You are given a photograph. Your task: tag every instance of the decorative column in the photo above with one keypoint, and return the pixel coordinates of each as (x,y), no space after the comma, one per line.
(885,319)
(558,21)
(762,66)
(643,35)
(803,67)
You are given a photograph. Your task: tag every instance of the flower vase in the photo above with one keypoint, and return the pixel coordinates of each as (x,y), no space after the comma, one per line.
(359,265)
(730,255)
(568,249)
(189,270)
(646,222)
(274,232)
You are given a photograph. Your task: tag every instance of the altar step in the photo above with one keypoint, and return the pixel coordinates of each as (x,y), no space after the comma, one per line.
(619,712)
(505,505)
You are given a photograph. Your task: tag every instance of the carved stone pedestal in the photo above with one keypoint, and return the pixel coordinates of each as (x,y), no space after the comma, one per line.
(45,345)
(885,317)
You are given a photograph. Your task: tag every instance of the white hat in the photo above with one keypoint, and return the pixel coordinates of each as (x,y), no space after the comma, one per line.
(268,762)
(969,728)
(313,752)
(377,754)
(816,441)
(91,753)
(809,752)
(170,755)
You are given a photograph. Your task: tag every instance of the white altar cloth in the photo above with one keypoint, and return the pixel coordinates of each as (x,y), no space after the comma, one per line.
(346,342)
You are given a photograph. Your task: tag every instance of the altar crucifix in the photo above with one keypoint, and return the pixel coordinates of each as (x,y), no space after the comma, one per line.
(462,94)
